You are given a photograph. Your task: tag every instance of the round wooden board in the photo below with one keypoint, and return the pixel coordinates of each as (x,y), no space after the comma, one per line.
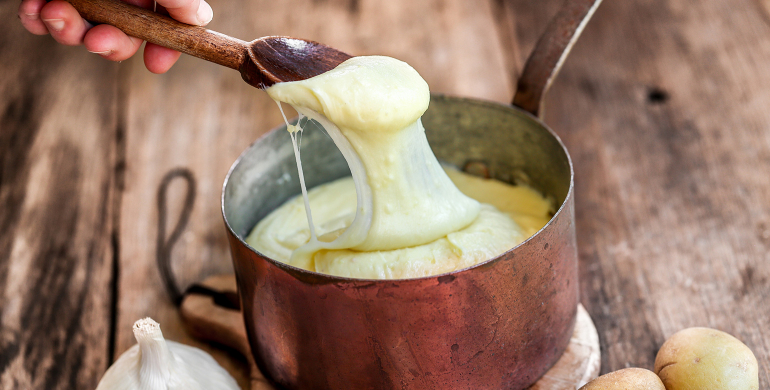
(580,362)
(208,321)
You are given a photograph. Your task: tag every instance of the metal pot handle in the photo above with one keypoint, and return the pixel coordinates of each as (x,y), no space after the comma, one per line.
(550,52)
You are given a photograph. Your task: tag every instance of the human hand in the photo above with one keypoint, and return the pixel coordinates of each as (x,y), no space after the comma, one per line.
(67,27)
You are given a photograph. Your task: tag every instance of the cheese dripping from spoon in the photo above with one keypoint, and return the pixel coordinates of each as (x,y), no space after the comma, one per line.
(410,220)
(371,108)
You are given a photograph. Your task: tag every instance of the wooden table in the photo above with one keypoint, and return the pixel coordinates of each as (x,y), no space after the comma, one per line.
(664,105)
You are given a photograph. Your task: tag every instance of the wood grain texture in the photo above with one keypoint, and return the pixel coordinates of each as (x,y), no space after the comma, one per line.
(58,129)
(662,104)
(200,117)
(196,117)
(670,135)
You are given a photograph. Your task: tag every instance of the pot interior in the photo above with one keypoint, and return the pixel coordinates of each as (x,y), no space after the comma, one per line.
(501,141)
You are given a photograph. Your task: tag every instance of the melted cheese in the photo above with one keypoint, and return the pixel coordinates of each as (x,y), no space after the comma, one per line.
(509,215)
(400,216)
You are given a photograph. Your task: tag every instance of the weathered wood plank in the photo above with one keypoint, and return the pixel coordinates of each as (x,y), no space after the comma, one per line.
(637,173)
(58,129)
(664,108)
(200,117)
(662,104)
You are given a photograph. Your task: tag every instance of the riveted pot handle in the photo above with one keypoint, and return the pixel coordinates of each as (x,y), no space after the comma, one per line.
(550,52)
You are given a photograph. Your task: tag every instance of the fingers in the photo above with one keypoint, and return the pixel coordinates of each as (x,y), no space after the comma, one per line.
(67,27)
(147,4)
(159,59)
(195,12)
(111,43)
(29,13)
(63,22)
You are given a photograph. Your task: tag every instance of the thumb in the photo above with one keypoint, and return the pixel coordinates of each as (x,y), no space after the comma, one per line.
(195,12)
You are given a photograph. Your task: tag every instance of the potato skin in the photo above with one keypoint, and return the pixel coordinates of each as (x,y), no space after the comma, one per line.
(704,358)
(626,379)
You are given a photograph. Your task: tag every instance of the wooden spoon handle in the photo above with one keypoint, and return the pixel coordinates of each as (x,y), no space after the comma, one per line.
(550,52)
(164,31)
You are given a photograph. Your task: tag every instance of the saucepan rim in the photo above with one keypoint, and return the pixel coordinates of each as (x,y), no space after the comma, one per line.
(346,280)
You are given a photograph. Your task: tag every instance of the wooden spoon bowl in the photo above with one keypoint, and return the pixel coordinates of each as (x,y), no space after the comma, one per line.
(276,59)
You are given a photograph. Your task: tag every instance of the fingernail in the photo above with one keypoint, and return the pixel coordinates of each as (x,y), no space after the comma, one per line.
(54,24)
(32,16)
(205,13)
(101,53)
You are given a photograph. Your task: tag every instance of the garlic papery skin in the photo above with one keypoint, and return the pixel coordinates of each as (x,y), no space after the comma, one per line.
(156,364)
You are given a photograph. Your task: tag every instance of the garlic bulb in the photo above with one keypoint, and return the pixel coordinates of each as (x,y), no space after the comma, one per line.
(157,364)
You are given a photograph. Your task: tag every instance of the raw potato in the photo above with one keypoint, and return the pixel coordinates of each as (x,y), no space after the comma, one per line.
(626,379)
(703,358)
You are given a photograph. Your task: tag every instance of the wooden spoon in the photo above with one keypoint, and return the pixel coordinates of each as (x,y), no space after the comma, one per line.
(262,62)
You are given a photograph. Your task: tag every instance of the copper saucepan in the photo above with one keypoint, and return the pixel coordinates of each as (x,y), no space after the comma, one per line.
(498,325)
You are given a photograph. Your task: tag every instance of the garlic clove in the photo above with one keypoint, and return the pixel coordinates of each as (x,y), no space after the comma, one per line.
(157,364)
